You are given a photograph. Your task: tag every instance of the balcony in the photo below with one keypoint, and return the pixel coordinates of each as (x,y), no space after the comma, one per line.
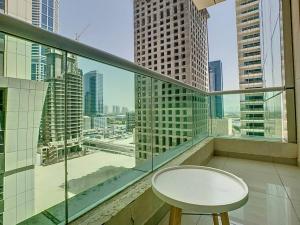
(104,176)
(274,191)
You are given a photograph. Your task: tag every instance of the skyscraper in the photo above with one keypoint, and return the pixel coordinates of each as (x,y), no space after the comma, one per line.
(248,20)
(93,93)
(216,84)
(45,16)
(52,133)
(170,38)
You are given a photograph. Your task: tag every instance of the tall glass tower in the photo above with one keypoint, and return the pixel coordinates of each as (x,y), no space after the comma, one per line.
(93,93)
(45,16)
(216,84)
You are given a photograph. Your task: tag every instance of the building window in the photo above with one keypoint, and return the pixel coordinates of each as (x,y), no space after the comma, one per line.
(2,5)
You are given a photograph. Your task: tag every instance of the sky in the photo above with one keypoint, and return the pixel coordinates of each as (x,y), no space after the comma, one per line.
(222,40)
(108,25)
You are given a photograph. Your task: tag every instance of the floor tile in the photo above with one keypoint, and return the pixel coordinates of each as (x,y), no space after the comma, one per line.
(265,209)
(274,193)
(267,181)
(165,220)
(292,187)
(250,165)
(217,162)
(185,220)
(207,220)
(190,219)
(296,204)
(287,170)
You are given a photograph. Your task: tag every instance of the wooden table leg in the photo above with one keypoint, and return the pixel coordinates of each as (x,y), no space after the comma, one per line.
(175,216)
(215,219)
(225,218)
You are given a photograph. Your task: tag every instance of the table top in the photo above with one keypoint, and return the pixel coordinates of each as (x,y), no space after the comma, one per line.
(200,189)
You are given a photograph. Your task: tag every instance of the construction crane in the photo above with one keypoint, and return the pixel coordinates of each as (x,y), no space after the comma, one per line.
(78,35)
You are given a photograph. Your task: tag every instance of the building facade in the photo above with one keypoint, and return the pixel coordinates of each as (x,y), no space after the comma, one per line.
(93,93)
(249,36)
(130,121)
(216,84)
(170,38)
(99,122)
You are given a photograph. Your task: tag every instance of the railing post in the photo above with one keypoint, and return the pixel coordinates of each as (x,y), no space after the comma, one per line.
(289,76)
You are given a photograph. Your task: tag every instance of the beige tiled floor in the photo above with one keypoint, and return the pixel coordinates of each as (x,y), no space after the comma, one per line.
(274,197)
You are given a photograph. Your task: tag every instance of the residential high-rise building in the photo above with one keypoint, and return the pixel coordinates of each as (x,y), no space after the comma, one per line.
(216,84)
(248,20)
(52,133)
(93,93)
(45,16)
(170,38)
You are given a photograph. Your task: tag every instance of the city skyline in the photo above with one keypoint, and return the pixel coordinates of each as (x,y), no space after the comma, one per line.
(118,88)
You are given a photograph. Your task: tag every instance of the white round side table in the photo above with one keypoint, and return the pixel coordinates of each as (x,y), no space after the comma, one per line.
(200,189)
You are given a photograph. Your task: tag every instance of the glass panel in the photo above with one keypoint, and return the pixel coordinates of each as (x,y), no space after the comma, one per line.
(103,144)
(173,124)
(34,115)
(255,115)
(227,124)
(274,124)
(44,9)
(50,12)
(200,117)
(110,123)
(2,5)
(272,43)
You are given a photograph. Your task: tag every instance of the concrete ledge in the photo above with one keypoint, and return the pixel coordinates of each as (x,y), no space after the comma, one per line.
(137,204)
(261,150)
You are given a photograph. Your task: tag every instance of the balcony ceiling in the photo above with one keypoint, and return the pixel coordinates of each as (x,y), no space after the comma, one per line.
(202,4)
